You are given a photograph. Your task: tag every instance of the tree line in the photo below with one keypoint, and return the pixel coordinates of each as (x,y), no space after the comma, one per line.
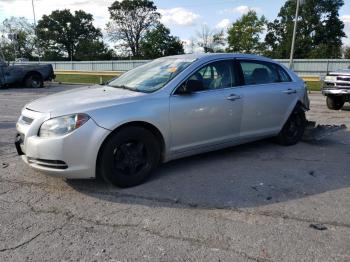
(136,31)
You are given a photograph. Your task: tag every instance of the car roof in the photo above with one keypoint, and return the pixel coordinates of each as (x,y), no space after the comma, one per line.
(213,56)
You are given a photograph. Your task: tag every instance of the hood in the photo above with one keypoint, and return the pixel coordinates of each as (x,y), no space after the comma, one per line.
(341,72)
(81,100)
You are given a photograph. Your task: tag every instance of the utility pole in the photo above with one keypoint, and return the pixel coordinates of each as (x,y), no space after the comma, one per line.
(294,34)
(36,35)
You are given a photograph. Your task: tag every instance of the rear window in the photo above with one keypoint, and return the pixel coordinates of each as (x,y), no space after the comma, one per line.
(284,77)
(256,72)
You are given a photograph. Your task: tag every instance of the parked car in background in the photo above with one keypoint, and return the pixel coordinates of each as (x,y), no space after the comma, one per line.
(169,108)
(336,88)
(30,75)
(21,60)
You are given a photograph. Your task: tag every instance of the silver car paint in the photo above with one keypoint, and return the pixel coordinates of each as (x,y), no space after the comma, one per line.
(189,124)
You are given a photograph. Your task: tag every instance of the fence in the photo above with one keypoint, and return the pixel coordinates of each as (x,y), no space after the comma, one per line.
(313,67)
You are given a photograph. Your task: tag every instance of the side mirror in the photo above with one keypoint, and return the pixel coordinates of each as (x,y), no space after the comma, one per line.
(190,86)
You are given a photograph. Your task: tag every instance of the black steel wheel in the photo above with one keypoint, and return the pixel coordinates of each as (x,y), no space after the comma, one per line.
(34,81)
(129,156)
(293,129)
(335,102)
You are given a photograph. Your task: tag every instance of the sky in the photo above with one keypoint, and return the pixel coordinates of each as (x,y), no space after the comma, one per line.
(183,17)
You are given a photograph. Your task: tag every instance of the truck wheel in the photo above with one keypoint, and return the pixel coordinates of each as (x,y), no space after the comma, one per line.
(293,129)
(128,157)
(335,102)
(34,81)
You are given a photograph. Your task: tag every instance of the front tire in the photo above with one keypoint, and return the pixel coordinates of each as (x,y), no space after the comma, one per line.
(34,81)
(293,129)
(128,157)
(335,102)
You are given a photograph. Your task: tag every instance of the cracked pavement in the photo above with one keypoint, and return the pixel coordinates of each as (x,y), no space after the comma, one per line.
(253,202)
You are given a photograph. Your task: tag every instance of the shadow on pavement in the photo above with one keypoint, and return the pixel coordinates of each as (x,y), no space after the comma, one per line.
(249,175)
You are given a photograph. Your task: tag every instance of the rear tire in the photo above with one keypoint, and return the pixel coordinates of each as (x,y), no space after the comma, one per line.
(293,129)
(34,81)
(128,157)
(335,102)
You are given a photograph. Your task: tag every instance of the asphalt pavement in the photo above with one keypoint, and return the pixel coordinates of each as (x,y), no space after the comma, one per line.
(255,202)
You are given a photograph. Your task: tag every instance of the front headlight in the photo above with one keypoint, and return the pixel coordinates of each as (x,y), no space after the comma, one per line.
(330,78)
(62,125)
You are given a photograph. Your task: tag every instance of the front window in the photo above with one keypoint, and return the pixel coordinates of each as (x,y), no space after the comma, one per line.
(151,76)
(216,75)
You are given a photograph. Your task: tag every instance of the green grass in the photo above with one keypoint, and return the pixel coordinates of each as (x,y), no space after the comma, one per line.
(86,79)
(314,86)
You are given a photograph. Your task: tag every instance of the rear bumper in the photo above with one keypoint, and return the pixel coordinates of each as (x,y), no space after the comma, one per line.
(70,156)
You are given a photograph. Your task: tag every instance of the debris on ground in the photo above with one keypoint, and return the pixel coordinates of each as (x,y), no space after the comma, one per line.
(4,165)
(319,132)
(312,173)
(254,188)
(318,227)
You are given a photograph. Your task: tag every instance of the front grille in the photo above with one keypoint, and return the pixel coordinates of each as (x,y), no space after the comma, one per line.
(343,78)
(343,84)
(329,84)
(55,164)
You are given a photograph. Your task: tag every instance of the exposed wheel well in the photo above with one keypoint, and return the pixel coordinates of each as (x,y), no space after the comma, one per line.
(155,131)
(30,73)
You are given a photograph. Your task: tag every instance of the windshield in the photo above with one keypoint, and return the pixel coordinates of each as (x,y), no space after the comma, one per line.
(151,76)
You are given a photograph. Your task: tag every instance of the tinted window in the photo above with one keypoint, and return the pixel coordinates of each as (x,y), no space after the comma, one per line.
(284,77)
(256,72)
(216,75)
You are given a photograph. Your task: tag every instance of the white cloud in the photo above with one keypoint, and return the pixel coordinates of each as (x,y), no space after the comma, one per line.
(242,9)
(224,23)
(191,47)
(178,16)
(346,20)
(99,8)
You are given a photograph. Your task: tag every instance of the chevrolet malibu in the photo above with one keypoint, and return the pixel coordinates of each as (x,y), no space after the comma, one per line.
(170,108)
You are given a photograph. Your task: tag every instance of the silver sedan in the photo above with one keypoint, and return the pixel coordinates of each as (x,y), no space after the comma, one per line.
(169,108)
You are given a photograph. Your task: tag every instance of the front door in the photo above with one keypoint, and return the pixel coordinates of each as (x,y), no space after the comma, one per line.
(210,115)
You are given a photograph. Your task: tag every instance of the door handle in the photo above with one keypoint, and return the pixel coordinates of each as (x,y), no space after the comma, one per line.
(290,91)
(233,97)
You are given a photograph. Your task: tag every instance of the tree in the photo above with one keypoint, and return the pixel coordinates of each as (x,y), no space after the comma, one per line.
(210,40)
(158,42)
(347,53)
(93,50)
(244,34)
(319,34)
(130,20)
(24,44)
(62,32)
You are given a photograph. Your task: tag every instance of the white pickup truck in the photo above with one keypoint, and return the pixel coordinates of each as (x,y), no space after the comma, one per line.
(336,87)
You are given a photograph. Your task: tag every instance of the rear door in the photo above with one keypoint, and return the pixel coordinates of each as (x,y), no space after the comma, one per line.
(269,94)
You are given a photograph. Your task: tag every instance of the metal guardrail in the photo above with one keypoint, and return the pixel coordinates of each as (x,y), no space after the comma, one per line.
(309,67)
(91,73)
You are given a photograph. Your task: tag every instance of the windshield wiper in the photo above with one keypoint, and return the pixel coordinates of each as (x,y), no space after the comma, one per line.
(125,87)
